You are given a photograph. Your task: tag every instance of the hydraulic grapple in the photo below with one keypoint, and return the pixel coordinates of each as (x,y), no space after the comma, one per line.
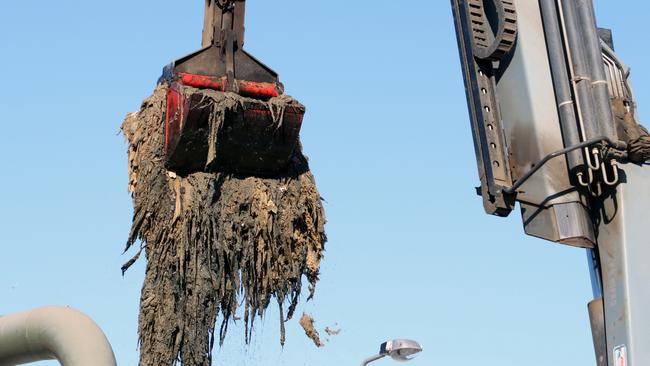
(255,138)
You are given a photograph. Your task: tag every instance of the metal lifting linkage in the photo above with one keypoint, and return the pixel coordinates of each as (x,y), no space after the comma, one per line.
(250,143)
(552,112)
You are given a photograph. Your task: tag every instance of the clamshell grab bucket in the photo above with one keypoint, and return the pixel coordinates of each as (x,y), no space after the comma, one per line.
(258,135)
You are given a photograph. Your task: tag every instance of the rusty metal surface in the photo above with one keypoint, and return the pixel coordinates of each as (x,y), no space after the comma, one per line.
(222,53)
(209,62)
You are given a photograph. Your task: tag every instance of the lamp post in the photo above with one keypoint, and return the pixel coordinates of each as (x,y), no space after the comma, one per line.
(398,350)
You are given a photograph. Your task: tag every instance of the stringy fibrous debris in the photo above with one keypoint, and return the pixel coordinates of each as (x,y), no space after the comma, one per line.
(218,246)
(631,131)
(639,145)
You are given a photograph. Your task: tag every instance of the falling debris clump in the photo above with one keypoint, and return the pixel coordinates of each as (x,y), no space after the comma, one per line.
(218,245)
(307,323)
(332,332)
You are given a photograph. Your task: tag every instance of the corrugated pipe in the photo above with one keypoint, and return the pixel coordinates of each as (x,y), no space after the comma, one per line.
(50,333)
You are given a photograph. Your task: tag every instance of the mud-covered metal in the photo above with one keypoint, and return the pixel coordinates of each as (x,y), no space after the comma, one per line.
(251,137)
(624,107)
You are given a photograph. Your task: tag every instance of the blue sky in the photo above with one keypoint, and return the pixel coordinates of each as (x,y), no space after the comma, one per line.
(411,253)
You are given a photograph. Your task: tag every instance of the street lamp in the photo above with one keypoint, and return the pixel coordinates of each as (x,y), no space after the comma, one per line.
(398,350)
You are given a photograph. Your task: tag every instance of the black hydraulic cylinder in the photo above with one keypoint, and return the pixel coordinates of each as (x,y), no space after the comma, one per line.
(561,81)
(594,56)
(581,74)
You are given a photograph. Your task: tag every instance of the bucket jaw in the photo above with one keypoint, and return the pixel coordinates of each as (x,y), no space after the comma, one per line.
(256,136)
(209,131)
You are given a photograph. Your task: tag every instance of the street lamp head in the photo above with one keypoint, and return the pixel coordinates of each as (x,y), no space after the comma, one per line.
(398,349)
(401,349)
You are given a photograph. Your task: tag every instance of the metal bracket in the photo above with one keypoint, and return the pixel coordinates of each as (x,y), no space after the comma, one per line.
(615,144)
(489,141)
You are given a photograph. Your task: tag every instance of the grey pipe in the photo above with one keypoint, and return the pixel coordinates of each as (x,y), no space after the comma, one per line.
(49,333)
(581,75)
(561,81)
(597,320)
(594,57)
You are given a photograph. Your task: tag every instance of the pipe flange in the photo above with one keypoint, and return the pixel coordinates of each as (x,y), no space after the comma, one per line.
(494,33)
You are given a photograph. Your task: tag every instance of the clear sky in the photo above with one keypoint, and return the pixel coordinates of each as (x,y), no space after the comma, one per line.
(411,253)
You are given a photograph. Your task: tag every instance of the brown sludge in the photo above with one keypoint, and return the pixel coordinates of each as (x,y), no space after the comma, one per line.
(307,323)
(631,131)
(214,242)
